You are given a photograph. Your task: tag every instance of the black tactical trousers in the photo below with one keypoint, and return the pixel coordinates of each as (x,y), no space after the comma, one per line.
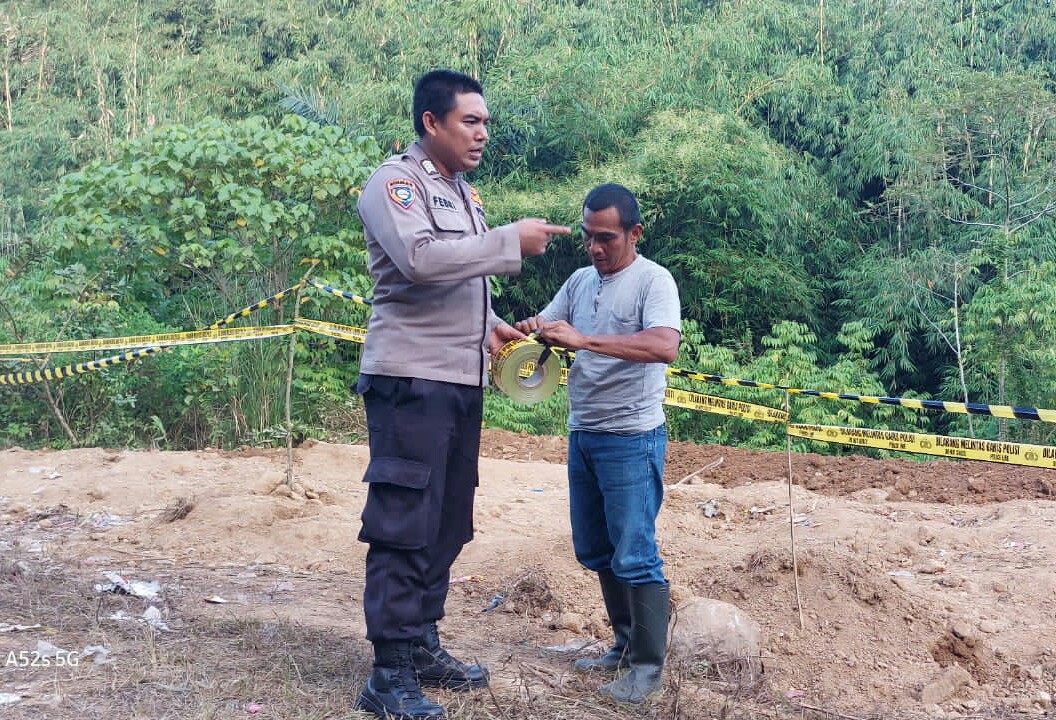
(424,443)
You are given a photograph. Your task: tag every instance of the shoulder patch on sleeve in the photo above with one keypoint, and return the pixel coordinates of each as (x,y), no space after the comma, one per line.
(401,192)
(478,204)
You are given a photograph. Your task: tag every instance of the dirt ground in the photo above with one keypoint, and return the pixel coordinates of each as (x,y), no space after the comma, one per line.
(906,571)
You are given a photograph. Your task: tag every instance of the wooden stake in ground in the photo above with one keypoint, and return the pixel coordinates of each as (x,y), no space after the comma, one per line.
(289,374)
(791,517)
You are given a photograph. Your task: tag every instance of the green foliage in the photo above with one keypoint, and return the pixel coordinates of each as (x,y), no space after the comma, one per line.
(216,200)
(549,417)
(791,359)
(814,175)
(1009,331)
(179,229)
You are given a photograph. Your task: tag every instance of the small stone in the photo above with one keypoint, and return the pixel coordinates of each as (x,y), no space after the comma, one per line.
(1043,699)
(902,583)
(931,567)
(573,622)
(1000,587)
(951,581)
(977,485)
(870,496)
(988,626)
(962,630)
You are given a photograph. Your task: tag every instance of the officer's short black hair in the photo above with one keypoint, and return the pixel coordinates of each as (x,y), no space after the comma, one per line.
(619,197)
(435,92)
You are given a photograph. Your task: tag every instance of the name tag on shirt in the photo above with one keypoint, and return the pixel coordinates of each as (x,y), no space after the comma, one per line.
(439,202)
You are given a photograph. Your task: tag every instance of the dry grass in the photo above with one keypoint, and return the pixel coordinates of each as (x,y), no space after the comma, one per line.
(178,509)
(217,667)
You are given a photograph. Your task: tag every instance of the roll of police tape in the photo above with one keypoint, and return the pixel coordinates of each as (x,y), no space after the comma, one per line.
(514,371)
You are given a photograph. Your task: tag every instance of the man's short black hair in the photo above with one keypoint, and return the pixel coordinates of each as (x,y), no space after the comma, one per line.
(435,92)
(619,197)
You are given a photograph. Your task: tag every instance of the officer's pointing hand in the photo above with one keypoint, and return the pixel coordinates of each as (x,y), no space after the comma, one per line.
(535,233)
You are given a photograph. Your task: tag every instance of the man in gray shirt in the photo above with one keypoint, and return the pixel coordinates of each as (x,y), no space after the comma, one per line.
(622,317)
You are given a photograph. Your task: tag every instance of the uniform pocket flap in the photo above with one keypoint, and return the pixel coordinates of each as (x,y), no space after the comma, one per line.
(398,471)
(451,221)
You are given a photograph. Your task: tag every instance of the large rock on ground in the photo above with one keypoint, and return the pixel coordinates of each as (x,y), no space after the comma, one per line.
(945,686)
(717,632)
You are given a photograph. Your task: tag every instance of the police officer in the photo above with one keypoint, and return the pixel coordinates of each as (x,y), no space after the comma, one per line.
(423,371)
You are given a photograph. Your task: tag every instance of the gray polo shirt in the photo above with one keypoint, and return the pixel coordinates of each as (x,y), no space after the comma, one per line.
(607,394)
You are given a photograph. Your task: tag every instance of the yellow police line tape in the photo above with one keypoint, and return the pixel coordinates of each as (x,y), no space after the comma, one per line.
(214,333)
(513,372)
(192,337)
(1041,456)
(723,406)
(940,445)
(674,397)
(334,330)
(1002,411)
(78,369)
(341,293)
(156,343)
(281,295)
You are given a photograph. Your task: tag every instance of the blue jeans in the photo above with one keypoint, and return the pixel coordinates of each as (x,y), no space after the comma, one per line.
(615,490)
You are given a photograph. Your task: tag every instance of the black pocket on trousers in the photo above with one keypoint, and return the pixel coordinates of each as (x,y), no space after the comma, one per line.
(397,509)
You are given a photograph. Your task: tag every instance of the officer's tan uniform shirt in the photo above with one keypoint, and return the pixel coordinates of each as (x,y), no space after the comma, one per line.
(430,254)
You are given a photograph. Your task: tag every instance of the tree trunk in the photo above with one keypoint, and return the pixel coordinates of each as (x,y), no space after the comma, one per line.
(9,118)
(959,351)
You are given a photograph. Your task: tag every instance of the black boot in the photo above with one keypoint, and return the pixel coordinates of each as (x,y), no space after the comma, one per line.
(618,606)
(392,692)
(650,611)
(437,668)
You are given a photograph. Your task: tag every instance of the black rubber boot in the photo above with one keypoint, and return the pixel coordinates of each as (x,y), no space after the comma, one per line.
(436,667)
(650,612)
(618,606)
(392,692)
